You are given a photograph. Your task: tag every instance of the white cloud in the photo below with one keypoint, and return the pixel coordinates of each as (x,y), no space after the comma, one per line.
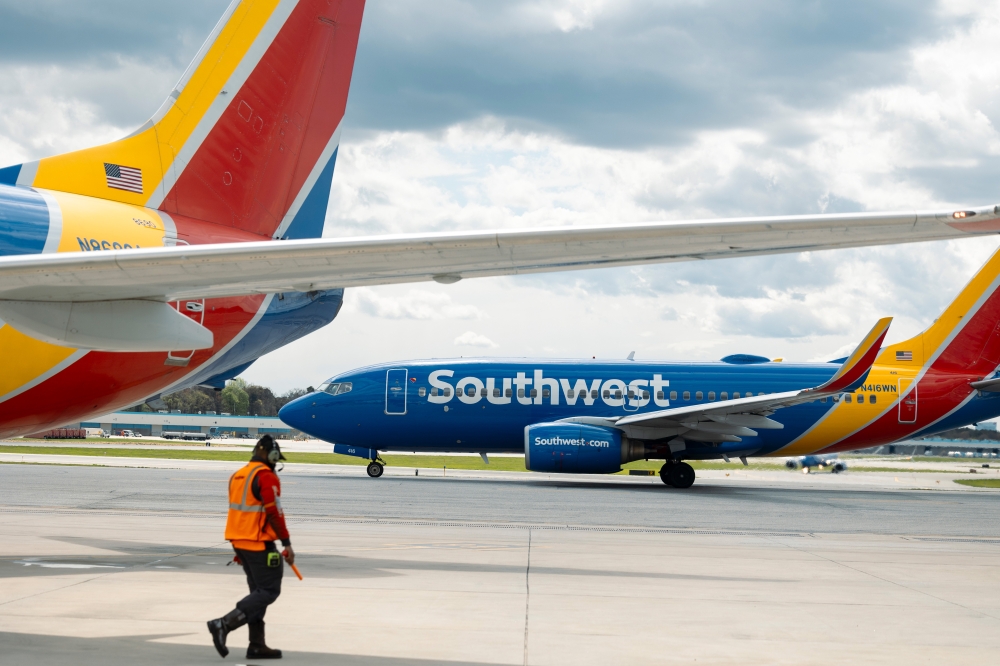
(415,304)
(472,339)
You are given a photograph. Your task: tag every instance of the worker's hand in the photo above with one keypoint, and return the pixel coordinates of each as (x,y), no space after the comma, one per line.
(236,560)
(289,555)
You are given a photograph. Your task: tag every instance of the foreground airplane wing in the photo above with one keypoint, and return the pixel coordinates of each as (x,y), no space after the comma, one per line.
(729,420)
(231,269)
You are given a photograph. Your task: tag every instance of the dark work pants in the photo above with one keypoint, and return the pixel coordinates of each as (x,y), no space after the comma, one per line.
(264,582)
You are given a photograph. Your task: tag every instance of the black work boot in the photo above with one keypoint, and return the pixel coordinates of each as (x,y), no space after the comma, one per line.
(221,627)
(258,648)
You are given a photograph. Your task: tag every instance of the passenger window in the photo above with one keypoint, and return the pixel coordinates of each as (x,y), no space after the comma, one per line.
(698,395)
(736,395)
(345,388)
(434,391)
(673,395)
(520,393)
(593,394)
(546,393)
(570,393)
(482,393)
(724,396)
(607,394)
(422,391)
(534,393)
(496,393)
(618,395)
(711,395)
(631,394)
(847,398)
(871,398)
(447,392)
(861,399)
(687,395)
(508,392)
(760,394)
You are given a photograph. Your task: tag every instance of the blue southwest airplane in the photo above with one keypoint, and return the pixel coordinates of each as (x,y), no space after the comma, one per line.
(178,255)
(593,416)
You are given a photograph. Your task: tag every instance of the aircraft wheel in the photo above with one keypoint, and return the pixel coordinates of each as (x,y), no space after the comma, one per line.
(665,473)
(375,469)
(681,475)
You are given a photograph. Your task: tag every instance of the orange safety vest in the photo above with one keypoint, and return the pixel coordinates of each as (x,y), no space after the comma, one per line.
(247,526)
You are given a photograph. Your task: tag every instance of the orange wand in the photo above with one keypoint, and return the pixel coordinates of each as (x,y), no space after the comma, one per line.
(294,568)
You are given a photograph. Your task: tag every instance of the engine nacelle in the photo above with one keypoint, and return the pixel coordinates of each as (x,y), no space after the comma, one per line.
(578,448)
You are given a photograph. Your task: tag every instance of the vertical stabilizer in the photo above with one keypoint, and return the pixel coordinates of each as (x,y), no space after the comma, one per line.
(248,137)
(965,339)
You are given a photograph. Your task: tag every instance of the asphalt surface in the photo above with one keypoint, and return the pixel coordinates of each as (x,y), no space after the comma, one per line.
(575,502)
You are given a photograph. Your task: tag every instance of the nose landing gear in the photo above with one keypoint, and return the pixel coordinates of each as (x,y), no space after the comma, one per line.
(677,474)
(375,468)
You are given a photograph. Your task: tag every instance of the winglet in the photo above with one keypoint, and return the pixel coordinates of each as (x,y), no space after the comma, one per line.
(855,369)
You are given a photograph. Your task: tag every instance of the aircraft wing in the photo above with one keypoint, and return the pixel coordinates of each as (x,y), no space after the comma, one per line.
(230,269)
(728,420)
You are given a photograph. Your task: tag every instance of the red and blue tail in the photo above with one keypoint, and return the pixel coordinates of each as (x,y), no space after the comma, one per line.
(248,137)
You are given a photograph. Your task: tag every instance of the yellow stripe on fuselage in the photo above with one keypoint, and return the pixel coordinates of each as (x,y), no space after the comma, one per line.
(154,149)
(25,359)
(844,419)
(90,224)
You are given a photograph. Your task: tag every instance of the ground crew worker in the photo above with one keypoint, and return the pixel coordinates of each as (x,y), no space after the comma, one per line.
(255,521)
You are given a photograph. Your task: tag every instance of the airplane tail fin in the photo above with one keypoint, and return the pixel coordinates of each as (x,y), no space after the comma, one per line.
(965,339)
(855,369)
(248,137)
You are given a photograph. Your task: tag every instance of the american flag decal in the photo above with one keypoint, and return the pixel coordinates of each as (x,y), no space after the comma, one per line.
(123,177)
(904,356)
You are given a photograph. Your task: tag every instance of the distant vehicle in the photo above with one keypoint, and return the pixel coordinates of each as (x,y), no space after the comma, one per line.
(808,463)
(188,436)
(128,433)
(591,417)
(96,432)
(61,433)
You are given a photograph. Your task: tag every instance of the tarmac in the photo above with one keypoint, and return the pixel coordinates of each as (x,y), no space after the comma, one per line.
(124,563)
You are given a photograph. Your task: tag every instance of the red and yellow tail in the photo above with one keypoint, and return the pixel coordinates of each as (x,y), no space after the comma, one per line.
(965,339)
(248,138)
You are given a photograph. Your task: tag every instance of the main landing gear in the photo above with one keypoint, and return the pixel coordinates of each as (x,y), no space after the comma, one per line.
(677,474)
(375,469)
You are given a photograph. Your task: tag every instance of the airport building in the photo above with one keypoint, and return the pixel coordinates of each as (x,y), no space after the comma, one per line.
(155,424)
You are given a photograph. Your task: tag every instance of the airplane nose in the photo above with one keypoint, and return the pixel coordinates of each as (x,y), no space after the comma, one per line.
(299,414)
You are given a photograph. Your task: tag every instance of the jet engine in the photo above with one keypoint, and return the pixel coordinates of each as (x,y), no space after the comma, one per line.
(578,448)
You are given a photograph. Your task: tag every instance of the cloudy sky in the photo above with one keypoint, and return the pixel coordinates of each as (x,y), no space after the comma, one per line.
(508,113)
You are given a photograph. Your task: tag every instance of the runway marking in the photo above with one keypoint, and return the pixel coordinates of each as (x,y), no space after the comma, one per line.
(527,598)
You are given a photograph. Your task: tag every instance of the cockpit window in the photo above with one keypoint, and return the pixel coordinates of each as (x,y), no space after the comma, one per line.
(336,388)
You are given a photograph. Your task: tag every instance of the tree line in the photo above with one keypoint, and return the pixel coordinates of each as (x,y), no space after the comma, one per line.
(238,398)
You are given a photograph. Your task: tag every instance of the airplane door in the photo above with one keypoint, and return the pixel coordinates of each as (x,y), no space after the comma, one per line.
(907,400)
(395,391)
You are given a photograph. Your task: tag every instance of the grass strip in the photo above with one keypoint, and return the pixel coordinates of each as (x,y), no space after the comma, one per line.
(497,463)
(979,483)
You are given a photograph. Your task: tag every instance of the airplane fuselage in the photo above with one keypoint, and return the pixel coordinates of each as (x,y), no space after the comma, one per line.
(485,405)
